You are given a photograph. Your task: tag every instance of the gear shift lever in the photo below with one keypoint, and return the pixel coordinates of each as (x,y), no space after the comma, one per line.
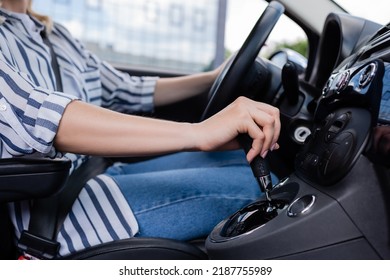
(259,167)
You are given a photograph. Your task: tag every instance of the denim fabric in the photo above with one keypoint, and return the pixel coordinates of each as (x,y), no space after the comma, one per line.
(184,195)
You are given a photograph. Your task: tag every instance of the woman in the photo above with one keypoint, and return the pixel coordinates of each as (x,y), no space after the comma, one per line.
(41,118)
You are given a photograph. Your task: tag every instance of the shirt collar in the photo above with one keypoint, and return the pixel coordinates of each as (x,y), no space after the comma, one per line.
(6,15)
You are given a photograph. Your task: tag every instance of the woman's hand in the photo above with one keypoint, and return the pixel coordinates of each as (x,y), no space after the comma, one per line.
(260,121)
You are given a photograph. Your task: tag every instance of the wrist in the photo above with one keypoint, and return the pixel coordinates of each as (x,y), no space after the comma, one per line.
(214,74)
(195,139)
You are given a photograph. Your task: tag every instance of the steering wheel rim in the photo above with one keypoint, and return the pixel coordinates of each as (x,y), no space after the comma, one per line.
(223,91)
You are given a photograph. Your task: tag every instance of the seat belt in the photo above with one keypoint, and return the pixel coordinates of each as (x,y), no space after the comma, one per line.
(76,181)
(54,61)
(38,241)
(48,214)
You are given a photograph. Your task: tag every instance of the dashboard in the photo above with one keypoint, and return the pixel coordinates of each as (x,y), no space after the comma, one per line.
(354,100)
(365,78)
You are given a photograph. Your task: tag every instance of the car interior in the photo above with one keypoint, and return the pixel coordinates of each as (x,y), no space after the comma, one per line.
(332,201)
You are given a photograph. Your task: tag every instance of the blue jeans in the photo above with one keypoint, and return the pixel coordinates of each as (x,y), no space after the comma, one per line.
(184,195)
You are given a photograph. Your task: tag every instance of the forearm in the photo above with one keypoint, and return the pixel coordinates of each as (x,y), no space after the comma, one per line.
(91,130)
(170,90)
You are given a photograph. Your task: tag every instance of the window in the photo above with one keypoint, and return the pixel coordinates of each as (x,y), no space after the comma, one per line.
(242,16)
(62,2)
(151,11)
(94,4)
(176,14)
(175,35)
(178,35)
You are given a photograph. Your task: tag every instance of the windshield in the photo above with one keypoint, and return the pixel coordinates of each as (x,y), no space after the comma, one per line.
(375,10)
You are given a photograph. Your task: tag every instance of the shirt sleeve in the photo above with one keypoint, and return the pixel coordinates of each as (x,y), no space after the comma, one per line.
(29,115)
(126,93)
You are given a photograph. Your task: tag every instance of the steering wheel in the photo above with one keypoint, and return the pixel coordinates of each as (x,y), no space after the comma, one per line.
(223,91)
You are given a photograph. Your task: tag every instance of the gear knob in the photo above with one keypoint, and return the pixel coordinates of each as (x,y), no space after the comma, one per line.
(259,166)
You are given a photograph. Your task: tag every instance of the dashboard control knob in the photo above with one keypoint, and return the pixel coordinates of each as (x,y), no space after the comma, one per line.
(367,75)
(343,81)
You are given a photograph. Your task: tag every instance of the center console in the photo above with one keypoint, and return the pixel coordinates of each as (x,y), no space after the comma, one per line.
(332,206)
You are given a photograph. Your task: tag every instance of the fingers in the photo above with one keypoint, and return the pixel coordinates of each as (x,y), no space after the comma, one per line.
(244,116)
(274,123)
(270,130)
(262,124)
(258,139)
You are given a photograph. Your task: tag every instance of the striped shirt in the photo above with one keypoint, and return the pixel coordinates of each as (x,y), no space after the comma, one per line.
(31,109)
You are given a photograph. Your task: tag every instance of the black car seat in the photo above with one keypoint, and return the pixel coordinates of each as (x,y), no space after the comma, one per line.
(47,185)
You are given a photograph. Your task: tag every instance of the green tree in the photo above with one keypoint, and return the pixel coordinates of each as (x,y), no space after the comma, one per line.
(300,46)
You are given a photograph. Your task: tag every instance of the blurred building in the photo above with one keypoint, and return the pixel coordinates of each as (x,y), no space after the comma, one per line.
(166,34)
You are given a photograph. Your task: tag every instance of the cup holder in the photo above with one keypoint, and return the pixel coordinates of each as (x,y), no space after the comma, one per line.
(251,217)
